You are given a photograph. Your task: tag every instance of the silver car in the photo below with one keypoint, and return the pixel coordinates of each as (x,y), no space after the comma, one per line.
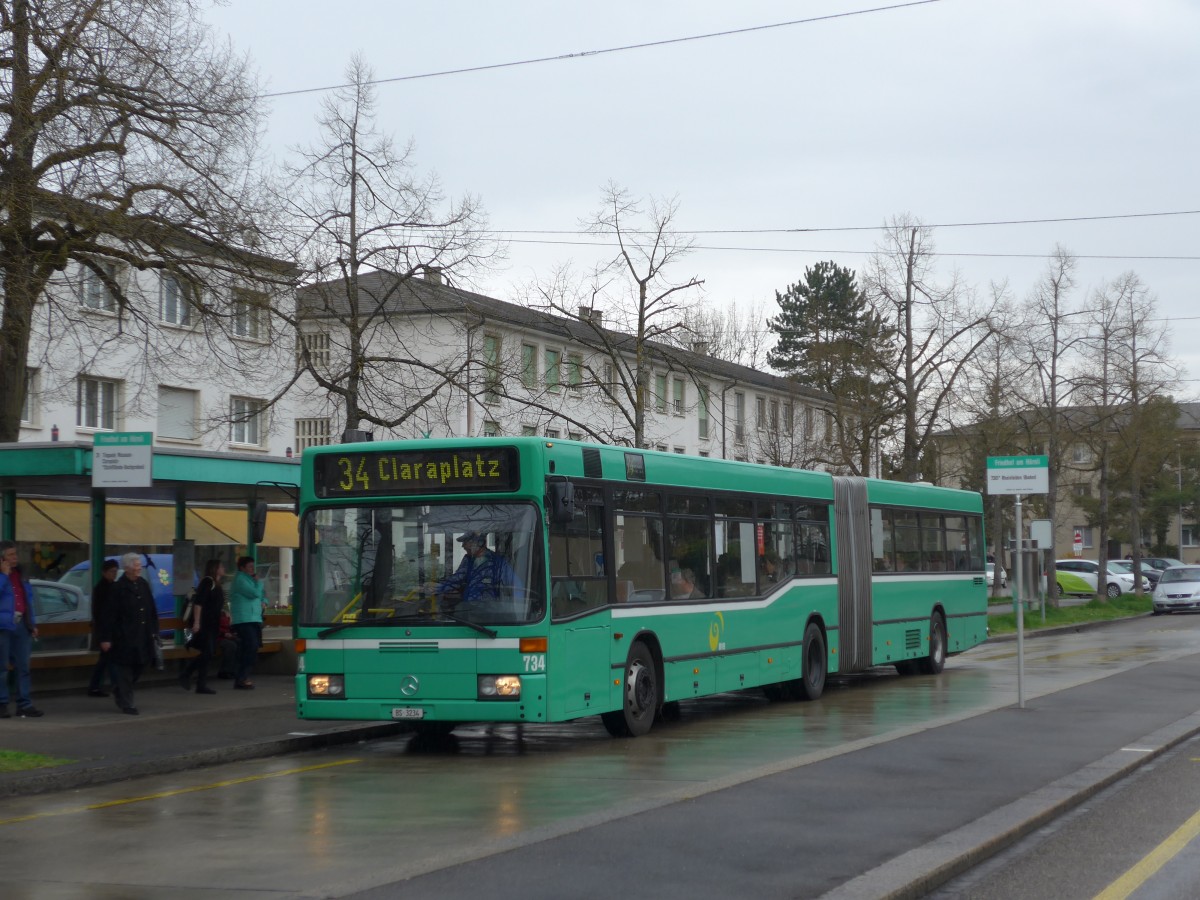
(56,602)
(1178,589)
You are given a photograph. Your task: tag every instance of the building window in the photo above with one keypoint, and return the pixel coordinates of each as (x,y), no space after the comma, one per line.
(787,417)
(173,302)
(246,415)
(575,372)
(661,448)
(176,413)
(250,314)
(774,420)
(96,292)
(1081,454)
(760,413)
(528,431)
(678,396)
(29,410)
(491,368)
(1086,531)
(1190,535)
(552,433)
(679,450)
(702,412)
(575,435)
(739,417)
(491,429)
(808,422)
(660,393)
(553,370)
(316,343)
(529,366)
(312,433)
(704,454)
(610,379)
(97,403)
(828,434)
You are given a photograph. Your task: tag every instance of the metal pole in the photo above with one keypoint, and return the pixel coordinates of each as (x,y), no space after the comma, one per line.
(1020,591)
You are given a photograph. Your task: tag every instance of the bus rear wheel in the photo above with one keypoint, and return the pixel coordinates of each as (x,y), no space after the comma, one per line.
(642,696)
(936,660)
(814,662)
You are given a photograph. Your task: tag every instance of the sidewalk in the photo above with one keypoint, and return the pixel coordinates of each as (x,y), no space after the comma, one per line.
(175,731)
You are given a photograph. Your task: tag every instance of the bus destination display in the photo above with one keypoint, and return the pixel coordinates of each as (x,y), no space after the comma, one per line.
(416,472)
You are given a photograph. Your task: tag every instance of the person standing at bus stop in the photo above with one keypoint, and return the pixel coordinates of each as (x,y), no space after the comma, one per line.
(129,629)
(247,601)
(206,627)
(102,598)
(18,629)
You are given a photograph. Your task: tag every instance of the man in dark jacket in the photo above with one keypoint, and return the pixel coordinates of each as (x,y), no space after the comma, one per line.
(127,630)
(101,599)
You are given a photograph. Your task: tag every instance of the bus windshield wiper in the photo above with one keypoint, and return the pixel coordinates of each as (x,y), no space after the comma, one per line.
(441,616)
(376,620)
(482,629)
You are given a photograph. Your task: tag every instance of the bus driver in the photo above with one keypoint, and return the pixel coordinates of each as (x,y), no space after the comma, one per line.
(483,575)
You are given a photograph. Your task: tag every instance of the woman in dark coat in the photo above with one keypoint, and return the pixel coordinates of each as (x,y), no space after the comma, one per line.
(128,630)
(206,627)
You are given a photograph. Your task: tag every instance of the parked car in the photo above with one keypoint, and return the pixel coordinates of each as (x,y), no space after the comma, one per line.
(991,575)
(55,602)
(1118,581)
(1160,562)
(1151,574)
(1178,589)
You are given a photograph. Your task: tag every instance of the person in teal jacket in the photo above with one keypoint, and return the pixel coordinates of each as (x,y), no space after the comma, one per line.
(247,600)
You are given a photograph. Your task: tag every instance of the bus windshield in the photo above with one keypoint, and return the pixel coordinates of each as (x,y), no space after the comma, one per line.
(422,564)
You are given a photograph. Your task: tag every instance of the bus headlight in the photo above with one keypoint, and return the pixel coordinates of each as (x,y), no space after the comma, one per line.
(328,687)
(499,687)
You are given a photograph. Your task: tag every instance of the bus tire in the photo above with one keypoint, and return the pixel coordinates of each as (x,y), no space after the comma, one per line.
(936,660)
(814,664)
(642,696)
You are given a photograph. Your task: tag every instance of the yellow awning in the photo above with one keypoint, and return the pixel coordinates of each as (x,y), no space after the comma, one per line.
(133,525)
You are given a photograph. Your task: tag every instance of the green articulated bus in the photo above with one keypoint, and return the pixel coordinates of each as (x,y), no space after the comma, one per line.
(533,580)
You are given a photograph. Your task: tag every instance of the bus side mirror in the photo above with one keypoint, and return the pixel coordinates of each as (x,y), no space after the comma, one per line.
(258,524)
(560,502)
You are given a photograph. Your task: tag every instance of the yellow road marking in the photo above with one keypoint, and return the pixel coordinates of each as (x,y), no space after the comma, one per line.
(190,790)
(1152,862)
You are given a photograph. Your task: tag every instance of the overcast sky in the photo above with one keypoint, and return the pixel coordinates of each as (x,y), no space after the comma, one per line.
(953,111)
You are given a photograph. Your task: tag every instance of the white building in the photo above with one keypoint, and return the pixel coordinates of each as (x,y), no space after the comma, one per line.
(145,358)
(440,361)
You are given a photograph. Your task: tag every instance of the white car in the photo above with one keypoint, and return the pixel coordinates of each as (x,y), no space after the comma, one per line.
(991,575)
(1178,588)
(1119,581)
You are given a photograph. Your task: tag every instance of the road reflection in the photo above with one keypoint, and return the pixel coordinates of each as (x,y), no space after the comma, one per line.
(416,803)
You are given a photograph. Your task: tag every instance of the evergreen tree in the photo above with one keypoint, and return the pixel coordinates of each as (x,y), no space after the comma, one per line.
(830,339)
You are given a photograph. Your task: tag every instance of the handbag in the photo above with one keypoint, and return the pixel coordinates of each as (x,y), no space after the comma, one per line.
(156,650)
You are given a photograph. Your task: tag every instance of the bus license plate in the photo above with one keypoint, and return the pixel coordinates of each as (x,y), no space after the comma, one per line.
(407,712)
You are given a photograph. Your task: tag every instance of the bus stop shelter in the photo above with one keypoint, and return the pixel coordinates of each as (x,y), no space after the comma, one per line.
(192,493)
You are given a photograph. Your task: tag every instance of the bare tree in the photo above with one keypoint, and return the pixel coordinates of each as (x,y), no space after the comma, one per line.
(129,140)
(371,334)
(642,308)
(1123,369)
(733,334)
(938,330)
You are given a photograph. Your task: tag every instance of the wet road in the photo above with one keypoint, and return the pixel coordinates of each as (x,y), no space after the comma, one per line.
(336,822)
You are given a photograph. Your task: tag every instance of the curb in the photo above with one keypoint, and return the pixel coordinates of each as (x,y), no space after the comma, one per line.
(45,781)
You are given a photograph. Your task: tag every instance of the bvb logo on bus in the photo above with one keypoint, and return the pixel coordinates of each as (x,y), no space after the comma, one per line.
(715,629)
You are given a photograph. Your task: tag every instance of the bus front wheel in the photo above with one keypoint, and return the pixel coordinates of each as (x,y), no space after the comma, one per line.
(642,696)
(936,660)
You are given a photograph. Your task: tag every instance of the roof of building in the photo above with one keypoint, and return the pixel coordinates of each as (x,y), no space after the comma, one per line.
(392,294)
